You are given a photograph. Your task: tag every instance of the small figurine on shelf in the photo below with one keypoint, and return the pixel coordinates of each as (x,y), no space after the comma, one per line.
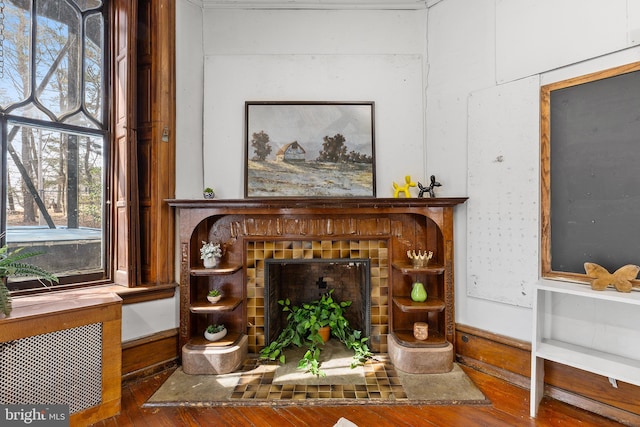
(419,259)
(430,188)
(418,292)
(421,330)
(210,254)
(403,189)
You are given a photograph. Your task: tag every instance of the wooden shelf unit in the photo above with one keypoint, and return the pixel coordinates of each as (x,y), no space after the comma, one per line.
(402,223)
(608,364)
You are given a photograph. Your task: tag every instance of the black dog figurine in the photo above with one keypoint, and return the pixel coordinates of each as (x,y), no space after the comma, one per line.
(430,188)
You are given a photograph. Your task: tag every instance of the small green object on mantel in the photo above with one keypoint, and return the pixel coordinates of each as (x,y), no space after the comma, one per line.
(418,293)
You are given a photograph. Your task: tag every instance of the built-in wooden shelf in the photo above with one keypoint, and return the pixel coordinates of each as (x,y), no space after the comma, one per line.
(407,268)
(200,342)
(399,223)
(407,339)
(223,269)
(225,304)
(408,305)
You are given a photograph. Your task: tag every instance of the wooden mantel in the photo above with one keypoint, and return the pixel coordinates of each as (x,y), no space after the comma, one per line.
(398,224)
(318,203)
(199,209)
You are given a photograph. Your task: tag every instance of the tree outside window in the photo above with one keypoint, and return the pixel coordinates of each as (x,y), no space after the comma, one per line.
(54,136)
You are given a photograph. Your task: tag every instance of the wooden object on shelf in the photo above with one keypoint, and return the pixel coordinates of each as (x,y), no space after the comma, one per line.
(421,330)
(543,347)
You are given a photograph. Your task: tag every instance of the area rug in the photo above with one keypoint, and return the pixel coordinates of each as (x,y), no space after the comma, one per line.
(260,383)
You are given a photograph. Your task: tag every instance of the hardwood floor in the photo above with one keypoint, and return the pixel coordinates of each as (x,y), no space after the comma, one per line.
(510,407)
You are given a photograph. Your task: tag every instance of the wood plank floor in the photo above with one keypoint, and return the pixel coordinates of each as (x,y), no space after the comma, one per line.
(510,407)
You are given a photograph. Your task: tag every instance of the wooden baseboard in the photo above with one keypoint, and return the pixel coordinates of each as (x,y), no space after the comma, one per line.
(146,356)
(510,359)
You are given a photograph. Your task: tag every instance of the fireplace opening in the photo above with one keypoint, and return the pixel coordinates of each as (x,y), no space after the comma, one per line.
(305,280)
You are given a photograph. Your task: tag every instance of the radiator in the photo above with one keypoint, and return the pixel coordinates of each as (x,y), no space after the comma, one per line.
(64,349)
(62,367)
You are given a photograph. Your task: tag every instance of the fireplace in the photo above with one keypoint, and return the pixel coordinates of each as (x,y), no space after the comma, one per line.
(341,263)
(259,233)
(305,280)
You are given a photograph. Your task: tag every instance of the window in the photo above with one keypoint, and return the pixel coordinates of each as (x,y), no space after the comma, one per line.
(54,137)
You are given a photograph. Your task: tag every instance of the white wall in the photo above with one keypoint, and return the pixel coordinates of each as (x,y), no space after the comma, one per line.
(487,60)
(471,118)
(314,55)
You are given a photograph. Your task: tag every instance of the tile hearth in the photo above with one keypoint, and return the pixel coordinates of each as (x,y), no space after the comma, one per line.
(380,382)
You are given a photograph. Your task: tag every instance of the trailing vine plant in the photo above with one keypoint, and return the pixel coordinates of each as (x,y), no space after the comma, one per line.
(301,330)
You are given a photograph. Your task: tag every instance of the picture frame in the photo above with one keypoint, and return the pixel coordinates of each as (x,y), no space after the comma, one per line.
(309,149)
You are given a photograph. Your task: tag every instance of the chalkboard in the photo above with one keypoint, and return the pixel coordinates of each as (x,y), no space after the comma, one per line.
(591,171)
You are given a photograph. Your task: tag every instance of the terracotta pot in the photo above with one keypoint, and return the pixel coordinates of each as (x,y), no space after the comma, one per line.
(325,333)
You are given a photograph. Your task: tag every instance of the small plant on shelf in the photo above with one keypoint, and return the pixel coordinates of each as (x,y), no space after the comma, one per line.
(215,328)
(215,332)
(208,193)
(214,295)
(303,324)
(210,253)
(210,250)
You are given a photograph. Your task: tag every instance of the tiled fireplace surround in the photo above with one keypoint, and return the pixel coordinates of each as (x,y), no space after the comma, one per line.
(376,250)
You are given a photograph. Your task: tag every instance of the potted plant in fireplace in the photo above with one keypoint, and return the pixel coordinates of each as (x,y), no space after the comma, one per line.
(303,330)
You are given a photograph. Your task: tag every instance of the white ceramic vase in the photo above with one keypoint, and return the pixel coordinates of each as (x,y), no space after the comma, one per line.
(210,262)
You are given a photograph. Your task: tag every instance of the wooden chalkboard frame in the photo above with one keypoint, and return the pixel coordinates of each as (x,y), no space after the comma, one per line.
(545,166)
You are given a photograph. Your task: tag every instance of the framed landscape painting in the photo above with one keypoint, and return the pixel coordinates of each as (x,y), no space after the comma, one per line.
(309,149)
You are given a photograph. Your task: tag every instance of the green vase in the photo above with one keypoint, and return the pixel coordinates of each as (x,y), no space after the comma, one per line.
(418,293)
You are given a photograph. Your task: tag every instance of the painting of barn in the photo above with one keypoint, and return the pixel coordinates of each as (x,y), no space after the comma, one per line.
(292,152)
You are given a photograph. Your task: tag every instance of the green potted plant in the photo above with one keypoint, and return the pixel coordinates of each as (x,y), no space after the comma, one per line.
(302,330)
(215,332)
(214,295)
(210,254)
(208,193)
(11,265)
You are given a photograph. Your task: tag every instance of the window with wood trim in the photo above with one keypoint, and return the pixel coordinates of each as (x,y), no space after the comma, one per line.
(55,137)
(137,147)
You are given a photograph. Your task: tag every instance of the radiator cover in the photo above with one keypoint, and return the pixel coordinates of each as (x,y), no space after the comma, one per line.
(62,367)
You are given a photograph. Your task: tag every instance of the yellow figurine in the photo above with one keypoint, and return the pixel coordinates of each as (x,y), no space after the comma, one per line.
(404,189)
